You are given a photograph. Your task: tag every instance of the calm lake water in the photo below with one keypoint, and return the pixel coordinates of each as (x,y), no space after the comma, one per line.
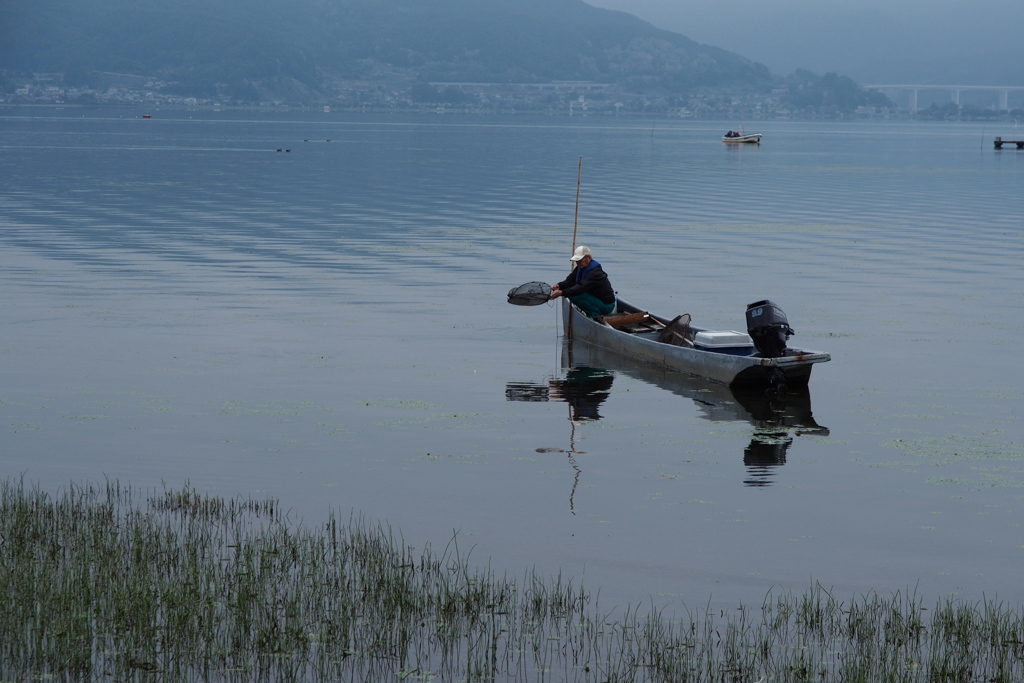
(182,302)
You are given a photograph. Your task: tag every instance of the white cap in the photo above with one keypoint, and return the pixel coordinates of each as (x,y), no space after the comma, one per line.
(580,252)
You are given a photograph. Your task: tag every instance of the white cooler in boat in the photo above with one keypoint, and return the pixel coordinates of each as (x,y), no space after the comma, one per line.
(727,341)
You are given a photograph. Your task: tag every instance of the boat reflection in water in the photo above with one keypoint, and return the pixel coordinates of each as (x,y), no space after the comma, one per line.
(776,418)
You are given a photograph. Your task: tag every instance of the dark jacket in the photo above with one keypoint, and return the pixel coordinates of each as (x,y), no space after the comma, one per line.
(592,280)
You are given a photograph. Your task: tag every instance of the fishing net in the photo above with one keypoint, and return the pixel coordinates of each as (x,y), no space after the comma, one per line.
(530,294)
(677,332)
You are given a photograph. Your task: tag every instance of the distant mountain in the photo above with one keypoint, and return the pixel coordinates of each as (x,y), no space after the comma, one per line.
(298,48)
(873,41)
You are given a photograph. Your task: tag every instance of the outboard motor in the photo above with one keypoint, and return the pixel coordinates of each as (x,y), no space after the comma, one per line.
(768,326)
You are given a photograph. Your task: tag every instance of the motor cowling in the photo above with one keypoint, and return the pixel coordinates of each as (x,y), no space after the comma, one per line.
(769,328)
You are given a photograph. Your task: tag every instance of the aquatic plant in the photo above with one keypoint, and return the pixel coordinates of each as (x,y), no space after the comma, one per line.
(101,582)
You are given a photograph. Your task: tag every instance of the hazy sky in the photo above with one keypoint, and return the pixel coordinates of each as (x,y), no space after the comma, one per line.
(970,41)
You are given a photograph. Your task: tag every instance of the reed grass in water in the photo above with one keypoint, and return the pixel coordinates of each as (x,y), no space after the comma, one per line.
(103,583)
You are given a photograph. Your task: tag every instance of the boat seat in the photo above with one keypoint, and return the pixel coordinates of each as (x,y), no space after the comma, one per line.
(625,319)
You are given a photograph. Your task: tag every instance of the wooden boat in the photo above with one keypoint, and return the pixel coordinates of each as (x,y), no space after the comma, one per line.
(750,138)
(639,335)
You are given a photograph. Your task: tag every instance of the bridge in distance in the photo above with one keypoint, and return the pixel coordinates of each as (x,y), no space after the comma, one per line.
(912,91)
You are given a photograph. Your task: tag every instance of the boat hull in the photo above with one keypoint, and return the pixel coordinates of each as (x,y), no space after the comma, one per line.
(753,138)
(795,367)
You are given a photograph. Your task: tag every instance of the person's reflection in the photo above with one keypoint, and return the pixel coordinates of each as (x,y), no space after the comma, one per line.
(584,389)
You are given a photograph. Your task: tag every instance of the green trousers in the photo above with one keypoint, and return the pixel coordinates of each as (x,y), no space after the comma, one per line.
(591,305)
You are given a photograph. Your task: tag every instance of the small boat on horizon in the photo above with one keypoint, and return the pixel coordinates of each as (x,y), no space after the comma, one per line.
(736,137)
(147,116)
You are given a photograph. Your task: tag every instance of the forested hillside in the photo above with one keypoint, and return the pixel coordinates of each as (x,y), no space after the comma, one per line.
(247,47)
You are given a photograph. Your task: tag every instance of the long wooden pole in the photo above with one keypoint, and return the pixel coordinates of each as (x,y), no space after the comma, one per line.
(576,218)
(575,223)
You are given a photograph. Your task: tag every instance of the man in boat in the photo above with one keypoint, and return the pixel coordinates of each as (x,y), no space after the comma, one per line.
(587,285)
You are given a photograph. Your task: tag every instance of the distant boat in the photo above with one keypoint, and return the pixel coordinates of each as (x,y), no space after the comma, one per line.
(734,137)
(147,116)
